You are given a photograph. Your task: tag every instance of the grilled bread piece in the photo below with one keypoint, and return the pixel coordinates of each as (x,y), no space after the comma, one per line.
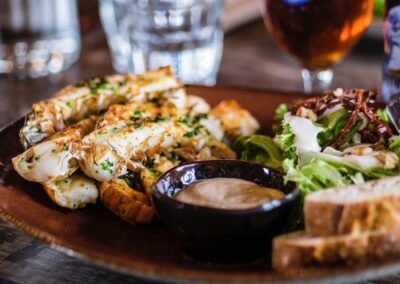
(355,208)
(298,250)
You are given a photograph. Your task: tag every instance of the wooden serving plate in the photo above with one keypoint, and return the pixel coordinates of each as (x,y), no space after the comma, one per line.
(151,251)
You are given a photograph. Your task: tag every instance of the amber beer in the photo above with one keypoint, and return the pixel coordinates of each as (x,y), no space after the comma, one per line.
(317,32)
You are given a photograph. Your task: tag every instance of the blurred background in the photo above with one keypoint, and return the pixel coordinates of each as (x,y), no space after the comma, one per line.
(250,58)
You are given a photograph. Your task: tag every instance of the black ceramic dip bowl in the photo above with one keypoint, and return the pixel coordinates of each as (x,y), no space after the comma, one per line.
(219,234)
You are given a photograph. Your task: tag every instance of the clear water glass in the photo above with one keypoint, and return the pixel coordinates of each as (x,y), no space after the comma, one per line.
(38,37)
(146,34)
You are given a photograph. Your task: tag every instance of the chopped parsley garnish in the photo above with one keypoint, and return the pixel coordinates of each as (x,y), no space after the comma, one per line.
(192,120)
(68,104)
(96,84)
(107,166)
(123,83)
(155,171)
(177,145)
(136,116)
(149,163)
(136,124)
(66,148)
(131,180)
(192,133)
(171,156)
(139,116)
(159,118)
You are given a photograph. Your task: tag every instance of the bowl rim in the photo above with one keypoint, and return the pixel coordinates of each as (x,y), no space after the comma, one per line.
(261,209)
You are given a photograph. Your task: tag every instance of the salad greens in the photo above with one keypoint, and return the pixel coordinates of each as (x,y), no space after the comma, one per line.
(394,146)
(286,141)
(379,8)
(352,149)
(332,124)
(279,116)
(260,149)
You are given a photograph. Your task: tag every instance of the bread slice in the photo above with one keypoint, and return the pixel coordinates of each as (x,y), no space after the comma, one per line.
(298,250)
(355,208)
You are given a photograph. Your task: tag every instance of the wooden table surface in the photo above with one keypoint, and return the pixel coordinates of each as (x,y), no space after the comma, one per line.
(250,59)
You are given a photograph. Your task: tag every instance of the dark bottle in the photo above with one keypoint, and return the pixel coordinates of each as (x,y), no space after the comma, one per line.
(391,65)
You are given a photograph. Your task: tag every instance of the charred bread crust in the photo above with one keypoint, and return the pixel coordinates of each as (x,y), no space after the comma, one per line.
(325,216)
(297,250)
(130,205)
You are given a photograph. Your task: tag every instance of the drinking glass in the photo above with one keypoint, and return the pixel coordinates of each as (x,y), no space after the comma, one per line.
(317,33)
(38,37)
(146,34)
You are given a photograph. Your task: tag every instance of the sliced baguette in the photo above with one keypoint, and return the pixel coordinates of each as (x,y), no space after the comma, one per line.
(355,208)
(298,250)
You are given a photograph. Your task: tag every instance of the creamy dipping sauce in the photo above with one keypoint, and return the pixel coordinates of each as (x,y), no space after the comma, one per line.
(227,193)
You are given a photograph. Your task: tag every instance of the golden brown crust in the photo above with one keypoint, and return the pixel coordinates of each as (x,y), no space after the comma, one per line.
(130,205)
(327,217)
(147,179)
(298,250)
(236,121)
(77,130)
(50,193)
(73,192)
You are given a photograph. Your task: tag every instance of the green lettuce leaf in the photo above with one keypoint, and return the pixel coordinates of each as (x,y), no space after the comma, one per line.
(382,114)
(316,175)
(259,148)
(377,173)
(346,168)
(278,118)
(352,132)
(394,145)
(332,123)
(286,141)
(313,177)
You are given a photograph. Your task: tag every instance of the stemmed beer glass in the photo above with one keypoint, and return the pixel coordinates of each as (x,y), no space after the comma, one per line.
(317,33)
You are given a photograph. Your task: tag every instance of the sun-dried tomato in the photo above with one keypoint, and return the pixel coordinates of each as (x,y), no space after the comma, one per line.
(356,101)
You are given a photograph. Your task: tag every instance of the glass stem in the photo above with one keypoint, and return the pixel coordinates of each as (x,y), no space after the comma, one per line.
(316,81)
